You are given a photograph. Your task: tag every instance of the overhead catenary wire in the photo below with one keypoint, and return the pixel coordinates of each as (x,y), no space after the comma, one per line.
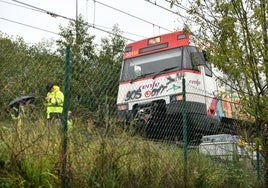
(14,4)
(38,28)
(52,32)
(131,15)
(44,11)
(31,7)
(100,26)
(97,27)
(182,17)
(25,5)
(94,19)
(53,14)
(166,9)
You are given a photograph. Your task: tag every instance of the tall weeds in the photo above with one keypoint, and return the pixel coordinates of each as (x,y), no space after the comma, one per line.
(106,157)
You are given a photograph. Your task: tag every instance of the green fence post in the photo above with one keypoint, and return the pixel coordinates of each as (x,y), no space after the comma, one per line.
(184,122)
(65,116)
(257,145)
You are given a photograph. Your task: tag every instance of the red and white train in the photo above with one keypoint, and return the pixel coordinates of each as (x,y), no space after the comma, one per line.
(150,89)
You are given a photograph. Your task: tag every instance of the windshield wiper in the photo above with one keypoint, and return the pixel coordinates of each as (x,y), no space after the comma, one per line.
(141,76)
(164,70)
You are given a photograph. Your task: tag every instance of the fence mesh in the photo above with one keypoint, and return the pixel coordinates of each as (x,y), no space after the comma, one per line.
(103,150)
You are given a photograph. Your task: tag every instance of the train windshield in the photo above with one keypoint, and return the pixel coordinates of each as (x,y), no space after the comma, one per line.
(155,63)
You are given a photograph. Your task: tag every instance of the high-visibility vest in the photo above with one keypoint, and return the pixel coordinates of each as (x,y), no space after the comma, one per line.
(55,101)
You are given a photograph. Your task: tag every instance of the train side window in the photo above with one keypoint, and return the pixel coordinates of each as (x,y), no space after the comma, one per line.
(208,69)
(187,62)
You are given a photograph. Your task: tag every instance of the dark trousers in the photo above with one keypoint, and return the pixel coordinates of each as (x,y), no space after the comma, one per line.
(55,118)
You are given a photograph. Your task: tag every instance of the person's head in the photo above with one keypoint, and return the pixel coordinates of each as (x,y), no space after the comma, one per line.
(49,86)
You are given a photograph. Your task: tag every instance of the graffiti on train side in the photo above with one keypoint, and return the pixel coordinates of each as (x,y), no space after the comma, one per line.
(152,89)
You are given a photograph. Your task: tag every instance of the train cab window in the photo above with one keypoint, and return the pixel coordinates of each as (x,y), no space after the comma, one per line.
(152,64)
(187,60)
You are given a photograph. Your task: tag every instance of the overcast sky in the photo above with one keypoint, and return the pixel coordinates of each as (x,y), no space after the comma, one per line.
(103,13)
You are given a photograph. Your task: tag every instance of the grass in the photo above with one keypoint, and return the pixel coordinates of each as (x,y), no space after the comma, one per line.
(106,157)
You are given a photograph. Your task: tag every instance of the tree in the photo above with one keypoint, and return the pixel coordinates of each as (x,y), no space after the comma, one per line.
(237,32)
(94,74)
(82,56)
(112,48)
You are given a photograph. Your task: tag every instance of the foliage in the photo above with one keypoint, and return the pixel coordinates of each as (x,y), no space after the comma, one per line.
(112,48)
(90,93)
(99,157)
(27,156)
(83,56)
(236,33)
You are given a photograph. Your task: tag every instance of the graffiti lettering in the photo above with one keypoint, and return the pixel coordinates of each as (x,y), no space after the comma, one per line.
(159,90)
(174,87)
(153,89)
(150,86)
(170,80)
(135,94)
(195,82)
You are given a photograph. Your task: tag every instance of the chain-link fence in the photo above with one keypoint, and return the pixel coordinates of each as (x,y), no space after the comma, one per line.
(95,148)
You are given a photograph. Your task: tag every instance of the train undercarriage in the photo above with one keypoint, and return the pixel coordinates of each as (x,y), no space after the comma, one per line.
(155,121)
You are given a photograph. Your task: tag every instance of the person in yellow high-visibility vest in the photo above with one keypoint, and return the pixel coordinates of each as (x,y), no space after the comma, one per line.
(54,102)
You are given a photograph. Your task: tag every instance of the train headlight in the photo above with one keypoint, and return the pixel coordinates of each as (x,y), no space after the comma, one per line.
(175,98)
(122,107)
